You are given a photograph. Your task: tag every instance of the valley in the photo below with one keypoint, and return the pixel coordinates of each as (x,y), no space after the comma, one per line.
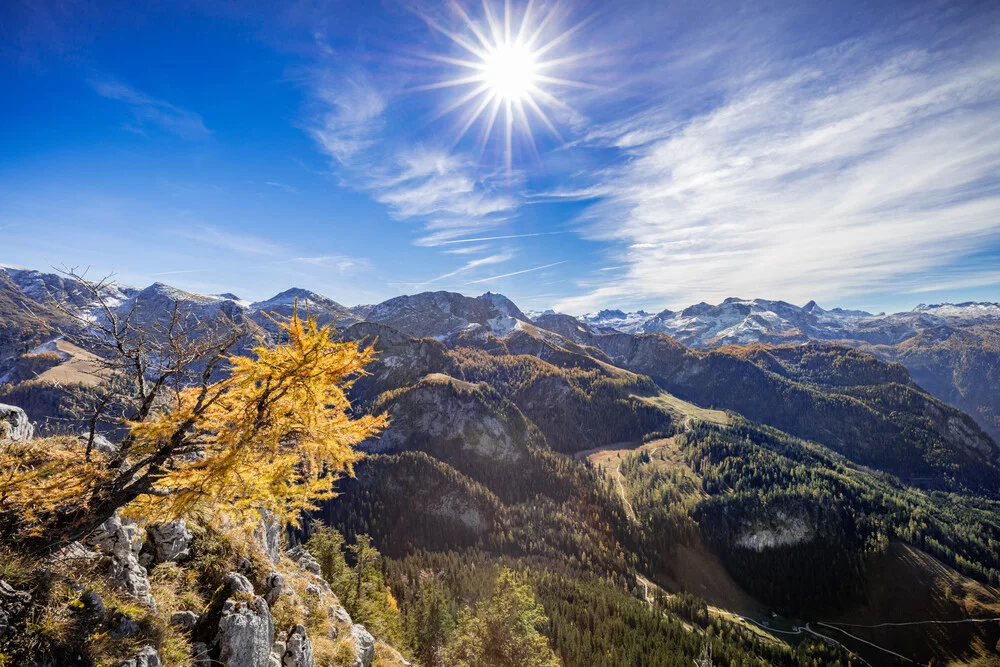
(785,502)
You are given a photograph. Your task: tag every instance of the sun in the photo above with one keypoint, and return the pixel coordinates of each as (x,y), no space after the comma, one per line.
(509,71)
(507,74)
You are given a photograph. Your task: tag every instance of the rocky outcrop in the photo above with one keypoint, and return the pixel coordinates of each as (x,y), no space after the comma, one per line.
(118,540)
(268,534)
(14,424)
(246,632)
(298,649)
(364,646)
(304,559)
(275,586)
(170,542)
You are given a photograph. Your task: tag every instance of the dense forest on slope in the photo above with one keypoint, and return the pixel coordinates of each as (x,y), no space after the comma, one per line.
(815,516)
(820,393)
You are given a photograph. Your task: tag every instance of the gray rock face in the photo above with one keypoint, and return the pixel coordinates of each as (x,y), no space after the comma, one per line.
(278,649)
(171,541)
(236,583)
(246,632)
(341,615)
(275,586)
(147,657)
(119,540)
(298,650)
(14,424)
(364,646)
(304,559)
(268,533)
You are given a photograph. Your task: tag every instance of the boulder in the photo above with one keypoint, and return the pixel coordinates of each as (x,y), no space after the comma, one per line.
(14,424)
(124,627)
(364,646)
(246,633)
(184,620)
(92,603)
(301,557)
(171,541)
(235,583)
(101,444)
(147,657)
(341,615)
(298,650)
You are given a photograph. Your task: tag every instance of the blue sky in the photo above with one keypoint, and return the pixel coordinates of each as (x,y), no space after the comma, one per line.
(847,152)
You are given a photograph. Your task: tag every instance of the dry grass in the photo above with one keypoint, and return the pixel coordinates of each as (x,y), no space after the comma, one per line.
(683,410)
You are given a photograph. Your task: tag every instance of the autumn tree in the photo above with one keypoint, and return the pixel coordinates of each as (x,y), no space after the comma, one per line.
(203,429)
(502,631)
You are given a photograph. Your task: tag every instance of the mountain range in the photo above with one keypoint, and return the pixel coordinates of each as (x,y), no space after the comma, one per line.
(784,465)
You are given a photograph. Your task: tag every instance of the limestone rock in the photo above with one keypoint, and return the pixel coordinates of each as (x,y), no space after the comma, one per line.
(246,632)
(364,646)
(147,657)
(14,424)
(236,583)
(101,444)
(268,533)
(185,620)
(171,541)
(304,559)
(115,537)
(275,585)
(119,540)
(341,615)
(278,649)
(298,650)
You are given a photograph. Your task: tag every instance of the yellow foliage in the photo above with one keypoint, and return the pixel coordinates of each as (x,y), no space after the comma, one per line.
(275,433)
(39,477)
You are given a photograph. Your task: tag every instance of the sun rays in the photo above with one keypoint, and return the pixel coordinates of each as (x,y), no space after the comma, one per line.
(505,77)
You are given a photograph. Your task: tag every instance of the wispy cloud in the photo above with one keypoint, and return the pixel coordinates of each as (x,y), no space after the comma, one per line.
(148,110)
(499,238)
(340,263)
(448,194)
(243,244)
(849,172)
(281,186)
(348,117)
(468,266)
(515,273)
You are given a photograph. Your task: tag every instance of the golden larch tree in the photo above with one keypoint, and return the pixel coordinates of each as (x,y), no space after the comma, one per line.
(274,433)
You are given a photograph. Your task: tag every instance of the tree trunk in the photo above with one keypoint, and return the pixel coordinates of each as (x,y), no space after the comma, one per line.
(74,527)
